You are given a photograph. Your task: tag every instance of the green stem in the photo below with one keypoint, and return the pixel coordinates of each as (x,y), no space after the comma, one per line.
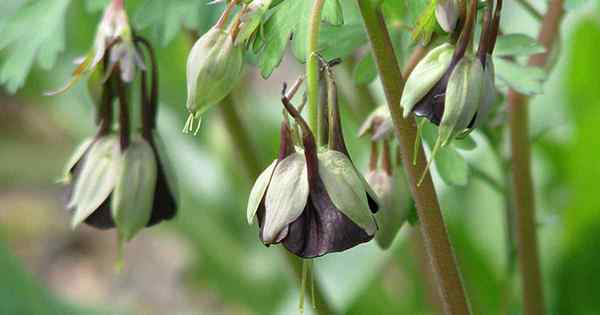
(312,67)
(433,230)
(524,198)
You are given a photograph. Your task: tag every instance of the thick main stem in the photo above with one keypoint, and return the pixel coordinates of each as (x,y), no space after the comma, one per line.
(312,69)
(239,135)
(433,230)
(518,110)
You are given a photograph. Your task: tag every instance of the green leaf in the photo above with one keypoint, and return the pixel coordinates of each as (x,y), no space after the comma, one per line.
(517,45)
(168,18)
(452,167)
(365,71)
(341,41)
(134,189)
(291,17)
(527,80)
(467,143)
(34,34)
(426,24)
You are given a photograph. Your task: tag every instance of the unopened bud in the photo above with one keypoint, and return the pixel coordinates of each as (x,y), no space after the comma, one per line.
(446,13)
(213,67)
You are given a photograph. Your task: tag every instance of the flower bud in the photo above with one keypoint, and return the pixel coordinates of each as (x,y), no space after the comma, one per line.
(378,124)
(251,19)
(214,65)
(134,189)
(446,14)
(425,76)
(462,98)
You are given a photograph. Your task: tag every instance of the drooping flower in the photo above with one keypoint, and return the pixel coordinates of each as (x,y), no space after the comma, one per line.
(452,87)
(312,202)
(116,179)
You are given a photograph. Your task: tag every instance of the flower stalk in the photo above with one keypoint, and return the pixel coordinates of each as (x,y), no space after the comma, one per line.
(433,230)
(312,68)
(524,199)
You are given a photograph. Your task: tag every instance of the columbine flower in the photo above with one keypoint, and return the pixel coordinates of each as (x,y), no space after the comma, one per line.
(452,87)
(312,202)
(214,65)
(118,180)
(113,37)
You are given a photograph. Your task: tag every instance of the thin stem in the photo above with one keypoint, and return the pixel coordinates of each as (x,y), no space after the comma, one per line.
(524,198)
(312,69)
(433,230)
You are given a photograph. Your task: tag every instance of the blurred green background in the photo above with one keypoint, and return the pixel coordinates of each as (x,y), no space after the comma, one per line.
(208,260)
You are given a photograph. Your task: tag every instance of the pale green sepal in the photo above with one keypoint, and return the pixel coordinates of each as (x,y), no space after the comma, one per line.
(346,189)
(462,99)
(488,92)
(425,75)
(97,179)
(75,157)
(286,196)
(134,189)
(258,191)
(165,162)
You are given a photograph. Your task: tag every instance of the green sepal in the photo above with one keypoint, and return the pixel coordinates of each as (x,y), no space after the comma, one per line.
(258,191)
(134,189)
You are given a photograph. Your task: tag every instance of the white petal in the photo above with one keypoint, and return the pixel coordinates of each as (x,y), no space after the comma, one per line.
(286,196)
(258,191)
(346,189)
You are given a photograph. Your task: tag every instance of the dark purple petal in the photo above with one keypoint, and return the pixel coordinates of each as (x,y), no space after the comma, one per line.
(164,206)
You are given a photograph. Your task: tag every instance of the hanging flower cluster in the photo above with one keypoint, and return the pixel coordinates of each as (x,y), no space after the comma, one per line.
(452,86)
(119,177)
(311,198)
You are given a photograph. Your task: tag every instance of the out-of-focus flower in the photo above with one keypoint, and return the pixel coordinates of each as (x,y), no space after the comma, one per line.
(113,37)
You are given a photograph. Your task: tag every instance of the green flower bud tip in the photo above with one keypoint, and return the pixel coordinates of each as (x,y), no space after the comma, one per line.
(113,34)
(251,18)
(425,76)
(214,66)
(446,14)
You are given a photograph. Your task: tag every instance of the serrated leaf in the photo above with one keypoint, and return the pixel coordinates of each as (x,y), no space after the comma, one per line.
(341,41)
(527,80)
(291,17)
(134,189)
(517,45)
(42,24)
(365,70)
